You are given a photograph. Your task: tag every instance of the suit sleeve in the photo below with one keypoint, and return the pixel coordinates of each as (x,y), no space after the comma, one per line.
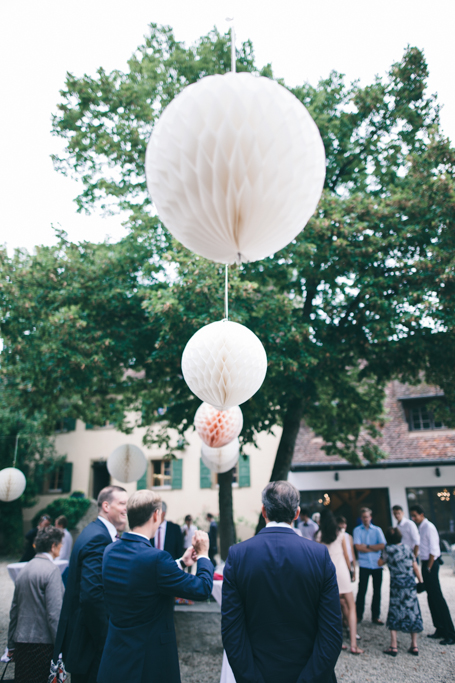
(175,582)
(92,592)
(329,637)
(54,600)
(233,629)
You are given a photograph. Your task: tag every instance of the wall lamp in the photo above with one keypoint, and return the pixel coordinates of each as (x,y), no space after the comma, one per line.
(437,472)
(336,476)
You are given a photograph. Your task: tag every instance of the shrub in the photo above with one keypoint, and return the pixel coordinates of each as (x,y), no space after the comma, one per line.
(73,509)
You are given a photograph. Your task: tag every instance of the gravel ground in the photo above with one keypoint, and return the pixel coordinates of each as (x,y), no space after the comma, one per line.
(436,664)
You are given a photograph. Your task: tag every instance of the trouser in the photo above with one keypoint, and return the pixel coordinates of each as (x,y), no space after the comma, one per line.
(364,575)
(92,673)
(212,553)
(440,614)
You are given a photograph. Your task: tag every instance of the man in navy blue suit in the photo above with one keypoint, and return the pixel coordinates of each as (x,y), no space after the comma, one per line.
(140,583)
(83,620)
(169,536)
(280,614)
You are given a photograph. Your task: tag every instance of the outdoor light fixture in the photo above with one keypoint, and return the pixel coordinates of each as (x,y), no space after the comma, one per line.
(221,459)
(235,167)
(224,364)
(127,463)
(437,472)
(336,476)
(12,484)
(444,496)
(218,427)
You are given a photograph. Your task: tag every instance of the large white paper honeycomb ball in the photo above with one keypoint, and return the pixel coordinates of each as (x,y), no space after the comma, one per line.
(127,463)
(12,484)
(218,427)
(224,364)
(223,459)
(235,167)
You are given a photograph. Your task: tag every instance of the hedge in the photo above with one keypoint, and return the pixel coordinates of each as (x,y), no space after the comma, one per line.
(73,509)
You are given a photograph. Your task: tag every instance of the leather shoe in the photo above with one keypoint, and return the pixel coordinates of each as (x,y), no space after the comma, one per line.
(378,622)
(435,635)
(447,641)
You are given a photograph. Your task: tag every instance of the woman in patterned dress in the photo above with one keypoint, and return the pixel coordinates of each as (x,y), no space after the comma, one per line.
(404,609)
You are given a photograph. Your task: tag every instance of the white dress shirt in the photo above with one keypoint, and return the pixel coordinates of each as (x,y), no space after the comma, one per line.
(409,533)
(110,527)
(309,529)
(67,545)
(283,524)
(160,536)
(429,540)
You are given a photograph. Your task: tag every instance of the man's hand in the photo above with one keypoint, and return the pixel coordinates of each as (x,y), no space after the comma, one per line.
(188,557)
(201,542)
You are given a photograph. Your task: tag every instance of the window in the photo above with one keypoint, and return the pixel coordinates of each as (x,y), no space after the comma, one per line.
(419,417)
(161,473)
(65,424)
(58,480)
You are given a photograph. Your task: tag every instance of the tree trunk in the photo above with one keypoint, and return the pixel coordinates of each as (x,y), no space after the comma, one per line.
(227,526)
(285,452)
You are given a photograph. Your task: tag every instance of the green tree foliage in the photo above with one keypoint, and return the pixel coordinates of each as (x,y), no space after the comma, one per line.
(362,295)
(73,509)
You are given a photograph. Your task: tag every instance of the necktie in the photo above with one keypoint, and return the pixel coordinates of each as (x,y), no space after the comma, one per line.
(158,545)
(117,536)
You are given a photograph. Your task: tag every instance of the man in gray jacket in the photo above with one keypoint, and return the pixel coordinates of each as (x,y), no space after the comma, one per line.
(35,609)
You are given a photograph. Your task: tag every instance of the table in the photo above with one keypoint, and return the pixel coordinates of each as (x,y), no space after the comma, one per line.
(226,672)
(15,568)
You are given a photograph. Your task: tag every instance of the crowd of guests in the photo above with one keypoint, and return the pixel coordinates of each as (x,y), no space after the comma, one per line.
(401,548)
(89,622)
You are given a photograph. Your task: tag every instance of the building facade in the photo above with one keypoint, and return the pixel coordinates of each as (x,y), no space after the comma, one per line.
(419,468)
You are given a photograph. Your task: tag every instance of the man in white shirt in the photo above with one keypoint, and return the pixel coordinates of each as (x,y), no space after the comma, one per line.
(409,532)
(67,545)
(430,555)
(306,525)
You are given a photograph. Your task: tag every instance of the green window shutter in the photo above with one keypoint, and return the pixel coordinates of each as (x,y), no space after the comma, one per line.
(244,470)
(88,426)
(67,476)
(205,477)
(177,474)
(142,482)
(69,424)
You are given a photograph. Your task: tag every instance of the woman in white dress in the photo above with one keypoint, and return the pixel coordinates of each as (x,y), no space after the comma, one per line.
(334,538)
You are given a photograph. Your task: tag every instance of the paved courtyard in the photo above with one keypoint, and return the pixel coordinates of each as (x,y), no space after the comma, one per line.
(436,664)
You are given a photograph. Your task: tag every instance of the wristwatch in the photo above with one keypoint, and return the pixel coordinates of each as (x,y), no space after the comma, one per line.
(368,546)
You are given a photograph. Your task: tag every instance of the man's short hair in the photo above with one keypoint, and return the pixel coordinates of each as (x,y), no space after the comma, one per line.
(417,508)
(363,510)
(341,520)
(393,536)
(209,515)
(107,494)
(304,512)
(45,518)
(141,507)
(62,521)
(397,507)
(45,539)
(163,506)
(281,501)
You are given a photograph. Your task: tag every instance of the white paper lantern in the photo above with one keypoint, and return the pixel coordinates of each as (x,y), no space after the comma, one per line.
(224,364)
(223,459)
(218,427)
(127,463)
(12,484)
(235,167)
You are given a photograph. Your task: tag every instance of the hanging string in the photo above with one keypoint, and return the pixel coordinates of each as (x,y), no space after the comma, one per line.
(233,65)
(226,298)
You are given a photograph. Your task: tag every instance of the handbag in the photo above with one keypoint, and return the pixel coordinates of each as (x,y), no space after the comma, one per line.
(57,673)
(6,680)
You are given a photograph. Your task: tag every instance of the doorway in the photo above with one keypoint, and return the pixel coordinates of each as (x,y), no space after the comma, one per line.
(101,477)
(348,503)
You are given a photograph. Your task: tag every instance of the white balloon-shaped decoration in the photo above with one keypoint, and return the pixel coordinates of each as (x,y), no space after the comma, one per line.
(235,167)
(12,484)
(221,459)
(127,463)
(218,427)
(224,364)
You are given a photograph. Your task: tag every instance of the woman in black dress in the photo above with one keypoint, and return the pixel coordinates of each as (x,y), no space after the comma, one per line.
(404,609)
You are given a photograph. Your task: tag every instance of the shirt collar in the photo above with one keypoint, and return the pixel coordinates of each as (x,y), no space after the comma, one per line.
(48,555)
(283,524)
(110,527)
(134,533)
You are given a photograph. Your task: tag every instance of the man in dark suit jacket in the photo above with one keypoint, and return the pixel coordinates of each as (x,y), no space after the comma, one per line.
(213,537)
(140,583)
(29,552)
(83,621)
(280,614)
(168,537)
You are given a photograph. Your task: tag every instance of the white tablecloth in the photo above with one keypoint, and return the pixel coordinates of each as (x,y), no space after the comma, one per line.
(15,568)
(226,672)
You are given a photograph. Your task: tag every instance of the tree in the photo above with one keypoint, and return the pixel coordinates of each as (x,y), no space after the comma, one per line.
(349,304)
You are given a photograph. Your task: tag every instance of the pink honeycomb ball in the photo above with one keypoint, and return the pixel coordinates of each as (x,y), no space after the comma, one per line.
(216,427)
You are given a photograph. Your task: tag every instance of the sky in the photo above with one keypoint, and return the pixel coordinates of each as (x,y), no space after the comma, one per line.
(304,41)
